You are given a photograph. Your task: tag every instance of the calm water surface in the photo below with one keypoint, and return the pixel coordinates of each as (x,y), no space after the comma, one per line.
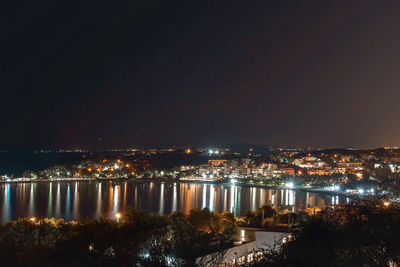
(94,199)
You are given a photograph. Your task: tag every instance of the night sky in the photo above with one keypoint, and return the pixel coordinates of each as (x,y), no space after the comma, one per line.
(160,73)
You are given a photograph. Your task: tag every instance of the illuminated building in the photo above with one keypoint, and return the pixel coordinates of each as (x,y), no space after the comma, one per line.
(350,167)
(319,172)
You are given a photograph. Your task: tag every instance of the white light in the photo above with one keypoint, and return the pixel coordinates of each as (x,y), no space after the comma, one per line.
(361,191)
(145,255)
(233,181)
(336,187)
(210,151)
(117,215)
(289,185)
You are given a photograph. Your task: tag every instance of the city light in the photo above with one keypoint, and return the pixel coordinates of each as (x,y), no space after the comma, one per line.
(117,216)
(162,134)
(336,187)
(371,190)
(289,185)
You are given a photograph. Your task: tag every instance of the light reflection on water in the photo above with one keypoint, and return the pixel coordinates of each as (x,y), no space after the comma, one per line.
(88,200)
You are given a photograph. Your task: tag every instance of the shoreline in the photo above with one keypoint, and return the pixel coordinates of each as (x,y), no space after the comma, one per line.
(141,180)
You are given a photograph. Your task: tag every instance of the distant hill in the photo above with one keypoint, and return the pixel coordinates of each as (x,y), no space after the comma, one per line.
(245,148)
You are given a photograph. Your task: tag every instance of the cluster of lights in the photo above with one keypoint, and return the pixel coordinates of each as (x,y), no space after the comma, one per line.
(211,176)
(210,151)
(336,187)
(289,185)
(362,191)
(119,164)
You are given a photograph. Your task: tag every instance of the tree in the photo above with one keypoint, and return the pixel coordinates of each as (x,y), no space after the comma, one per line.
(29,174)
(267,211)
(362,233)
(383,174)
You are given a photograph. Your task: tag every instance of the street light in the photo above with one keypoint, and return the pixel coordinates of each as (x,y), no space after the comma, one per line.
(386,203)
(33,219)
(117,215)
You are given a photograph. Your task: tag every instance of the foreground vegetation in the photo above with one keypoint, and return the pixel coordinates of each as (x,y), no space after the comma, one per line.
(362,233)
(139,239)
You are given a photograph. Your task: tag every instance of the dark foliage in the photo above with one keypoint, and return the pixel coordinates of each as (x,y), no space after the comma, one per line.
(363,233)
(140,239)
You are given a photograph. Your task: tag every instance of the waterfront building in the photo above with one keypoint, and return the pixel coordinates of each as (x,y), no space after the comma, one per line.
(284,171)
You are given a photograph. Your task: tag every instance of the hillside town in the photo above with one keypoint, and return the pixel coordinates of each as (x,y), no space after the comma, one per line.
(354,170)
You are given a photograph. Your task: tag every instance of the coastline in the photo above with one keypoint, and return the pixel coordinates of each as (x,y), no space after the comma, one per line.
(142,180)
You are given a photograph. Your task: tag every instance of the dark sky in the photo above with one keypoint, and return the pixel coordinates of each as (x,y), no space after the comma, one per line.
(156,73)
